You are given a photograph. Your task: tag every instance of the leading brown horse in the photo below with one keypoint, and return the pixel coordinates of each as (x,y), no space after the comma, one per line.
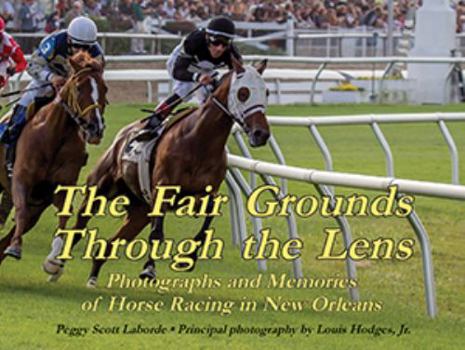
(191,154)
(52,148)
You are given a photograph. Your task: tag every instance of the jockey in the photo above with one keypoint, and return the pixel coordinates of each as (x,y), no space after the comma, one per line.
(193,61)
(10,52)
(49,68)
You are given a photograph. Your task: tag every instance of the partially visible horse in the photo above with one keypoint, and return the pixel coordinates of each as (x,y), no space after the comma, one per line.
(51,149)
(191,154)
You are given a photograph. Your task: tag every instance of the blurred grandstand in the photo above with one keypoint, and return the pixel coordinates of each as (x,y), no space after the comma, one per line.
(253,17)
(306,28)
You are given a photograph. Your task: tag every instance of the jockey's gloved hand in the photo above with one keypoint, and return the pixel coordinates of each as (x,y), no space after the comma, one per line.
(58,81)
(11,71)
(205,79)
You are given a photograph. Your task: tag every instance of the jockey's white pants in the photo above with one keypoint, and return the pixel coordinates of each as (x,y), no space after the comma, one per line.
(28,97)
(182,88)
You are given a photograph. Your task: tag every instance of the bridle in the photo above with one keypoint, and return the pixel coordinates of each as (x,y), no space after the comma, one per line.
(72,106)
(225,110)
(243,114)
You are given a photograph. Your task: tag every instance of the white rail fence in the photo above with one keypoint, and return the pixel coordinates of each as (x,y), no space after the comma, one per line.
(285,85)
(323,180)
(323,64)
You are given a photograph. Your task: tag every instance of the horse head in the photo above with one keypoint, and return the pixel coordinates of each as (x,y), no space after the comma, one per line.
(247,101)
(84,96)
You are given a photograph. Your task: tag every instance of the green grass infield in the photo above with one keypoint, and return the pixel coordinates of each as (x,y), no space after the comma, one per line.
(228,303)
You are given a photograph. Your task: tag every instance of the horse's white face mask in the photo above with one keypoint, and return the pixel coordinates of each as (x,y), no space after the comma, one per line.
(247,93)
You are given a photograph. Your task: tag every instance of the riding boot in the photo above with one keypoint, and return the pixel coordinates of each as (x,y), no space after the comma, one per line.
(15,126)
(162,111)
(16,123)
(5,136)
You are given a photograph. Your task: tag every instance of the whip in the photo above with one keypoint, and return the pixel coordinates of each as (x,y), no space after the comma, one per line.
(17,92)
(175,102)
(9,103)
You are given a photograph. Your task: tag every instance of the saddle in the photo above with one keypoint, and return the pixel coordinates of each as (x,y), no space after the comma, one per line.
(141,152)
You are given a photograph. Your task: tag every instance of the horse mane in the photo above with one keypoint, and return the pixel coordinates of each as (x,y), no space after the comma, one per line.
(79,61)
(223,83)
(82,60)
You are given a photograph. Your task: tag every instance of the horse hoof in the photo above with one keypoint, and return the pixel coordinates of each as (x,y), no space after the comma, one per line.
(14,252)
(92,282)
(55,277)
(148,274)
(53,266)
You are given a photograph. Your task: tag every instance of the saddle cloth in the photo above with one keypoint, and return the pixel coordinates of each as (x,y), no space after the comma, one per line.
(141,152)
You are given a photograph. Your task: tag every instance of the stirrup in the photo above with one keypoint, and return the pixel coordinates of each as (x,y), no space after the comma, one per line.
(143,135)
(154,121)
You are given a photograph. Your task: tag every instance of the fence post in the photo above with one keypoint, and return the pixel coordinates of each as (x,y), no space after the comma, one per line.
(149,92)
(454,154)
(364,42)
(290,36)
(104,43)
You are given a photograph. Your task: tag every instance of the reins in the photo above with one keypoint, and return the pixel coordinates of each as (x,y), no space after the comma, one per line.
(72,106)
(226,111)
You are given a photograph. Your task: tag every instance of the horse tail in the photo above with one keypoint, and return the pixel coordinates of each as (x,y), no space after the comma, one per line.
(107,164)
(103,168)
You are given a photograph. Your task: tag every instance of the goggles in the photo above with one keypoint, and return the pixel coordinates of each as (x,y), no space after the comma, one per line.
(219,40)
(81,46)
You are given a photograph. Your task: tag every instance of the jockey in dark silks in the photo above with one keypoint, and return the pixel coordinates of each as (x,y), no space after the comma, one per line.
(192,62)
(49,68)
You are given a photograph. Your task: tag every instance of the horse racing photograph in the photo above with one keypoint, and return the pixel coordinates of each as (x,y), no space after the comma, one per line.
(244,174)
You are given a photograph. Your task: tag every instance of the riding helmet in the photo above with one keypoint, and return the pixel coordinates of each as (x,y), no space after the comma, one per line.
(221,26)
(82,31)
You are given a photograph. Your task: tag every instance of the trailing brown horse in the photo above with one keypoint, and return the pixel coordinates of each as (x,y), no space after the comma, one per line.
(191,154)
(52,148)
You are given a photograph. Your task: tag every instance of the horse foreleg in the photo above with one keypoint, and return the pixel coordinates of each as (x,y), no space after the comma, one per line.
(156,233)
(6,204)
(5,242)
(105,186)
(201,235)
(26,217)
(51,264)
(58,202)
(54,266)
(136,220)
(22,217)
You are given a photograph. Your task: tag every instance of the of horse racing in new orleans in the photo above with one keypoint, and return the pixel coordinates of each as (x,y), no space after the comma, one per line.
(183,254)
